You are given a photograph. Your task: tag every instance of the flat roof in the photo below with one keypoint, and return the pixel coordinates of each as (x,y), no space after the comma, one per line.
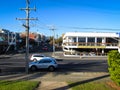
(92,34)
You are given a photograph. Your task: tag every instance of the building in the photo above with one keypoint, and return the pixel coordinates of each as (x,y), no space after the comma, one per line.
(34,36)
(8,40)
(89,43)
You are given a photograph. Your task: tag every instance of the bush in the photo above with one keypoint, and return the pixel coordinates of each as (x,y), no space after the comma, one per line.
(114,66)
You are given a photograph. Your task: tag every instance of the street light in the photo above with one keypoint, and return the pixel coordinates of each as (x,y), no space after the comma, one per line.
(53,29)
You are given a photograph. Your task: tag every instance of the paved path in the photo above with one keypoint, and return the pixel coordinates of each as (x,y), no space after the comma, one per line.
(53,85)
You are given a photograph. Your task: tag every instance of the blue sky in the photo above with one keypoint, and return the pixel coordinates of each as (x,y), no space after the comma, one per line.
(64,15)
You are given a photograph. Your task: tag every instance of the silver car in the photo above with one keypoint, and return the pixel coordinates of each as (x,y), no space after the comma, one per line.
(44,63)
(35,57)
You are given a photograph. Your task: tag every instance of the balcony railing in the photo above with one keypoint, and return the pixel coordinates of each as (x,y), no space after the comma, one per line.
(89,44)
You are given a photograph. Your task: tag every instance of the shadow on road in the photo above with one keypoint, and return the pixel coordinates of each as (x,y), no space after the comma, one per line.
(22,76)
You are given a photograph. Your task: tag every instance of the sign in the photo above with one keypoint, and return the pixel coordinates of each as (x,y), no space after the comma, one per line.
(119,49)
(118,33)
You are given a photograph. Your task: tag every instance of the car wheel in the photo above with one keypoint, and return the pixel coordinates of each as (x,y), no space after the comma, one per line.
(33,68)
(51,68)
(34,59)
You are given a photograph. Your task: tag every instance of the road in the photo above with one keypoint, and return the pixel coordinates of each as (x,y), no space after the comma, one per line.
(16,63)
(83,66)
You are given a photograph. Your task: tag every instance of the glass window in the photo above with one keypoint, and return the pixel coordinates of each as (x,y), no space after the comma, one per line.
(81,39)
(38,56)
(111,40)
(45,61)
(74,39)
(91,39)
(99,40)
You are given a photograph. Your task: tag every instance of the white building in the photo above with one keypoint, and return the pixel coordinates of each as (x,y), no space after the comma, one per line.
(97,43)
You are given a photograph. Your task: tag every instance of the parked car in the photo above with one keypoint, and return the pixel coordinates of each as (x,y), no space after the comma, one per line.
(35,57)
(45,48)
(22,51)
(45,63)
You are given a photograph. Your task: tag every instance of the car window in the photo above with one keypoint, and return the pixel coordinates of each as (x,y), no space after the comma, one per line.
(38,56)
(41,61)
(45,61)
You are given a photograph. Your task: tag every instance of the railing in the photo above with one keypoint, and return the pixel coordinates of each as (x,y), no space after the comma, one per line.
(84,53)
(89,44)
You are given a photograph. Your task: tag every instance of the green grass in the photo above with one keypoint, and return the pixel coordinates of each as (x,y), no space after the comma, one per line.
(91,86)
(18,85)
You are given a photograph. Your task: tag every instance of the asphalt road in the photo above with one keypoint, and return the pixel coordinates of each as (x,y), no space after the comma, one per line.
(83,66)
(16,63)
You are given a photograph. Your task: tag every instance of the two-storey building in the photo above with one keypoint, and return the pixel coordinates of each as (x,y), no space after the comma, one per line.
(89,43)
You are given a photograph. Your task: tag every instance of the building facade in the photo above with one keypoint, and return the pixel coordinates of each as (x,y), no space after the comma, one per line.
(8,40)
(90,43)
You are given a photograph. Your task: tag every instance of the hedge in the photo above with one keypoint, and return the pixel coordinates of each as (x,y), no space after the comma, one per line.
(114,66)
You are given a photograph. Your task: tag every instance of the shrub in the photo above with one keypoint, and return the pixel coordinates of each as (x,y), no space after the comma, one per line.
(114,66)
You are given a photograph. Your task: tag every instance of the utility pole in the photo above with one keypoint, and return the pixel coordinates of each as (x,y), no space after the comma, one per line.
(53,29)
(27,27)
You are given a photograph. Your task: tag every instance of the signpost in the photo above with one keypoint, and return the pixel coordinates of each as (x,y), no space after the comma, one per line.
(119,43)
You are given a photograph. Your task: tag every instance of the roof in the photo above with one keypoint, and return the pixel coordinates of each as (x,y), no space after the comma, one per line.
(92,34)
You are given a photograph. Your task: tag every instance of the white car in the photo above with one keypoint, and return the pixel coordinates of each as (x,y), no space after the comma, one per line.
(36,57)
(45,63)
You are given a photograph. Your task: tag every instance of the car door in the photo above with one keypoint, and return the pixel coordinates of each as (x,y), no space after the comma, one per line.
(44,63)
(47,63)
(41,64)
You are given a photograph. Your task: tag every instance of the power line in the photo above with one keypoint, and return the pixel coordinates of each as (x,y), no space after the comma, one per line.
(90,28)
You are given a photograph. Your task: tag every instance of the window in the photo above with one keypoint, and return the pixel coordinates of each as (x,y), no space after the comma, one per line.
(38,56)
(45,61)
(99,40)
(81,39)
(91,39)
(74,39)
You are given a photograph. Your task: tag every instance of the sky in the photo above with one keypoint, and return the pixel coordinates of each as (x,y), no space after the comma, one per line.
(62,15)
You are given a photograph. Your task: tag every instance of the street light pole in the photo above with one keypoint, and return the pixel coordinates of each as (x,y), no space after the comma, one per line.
(53,29)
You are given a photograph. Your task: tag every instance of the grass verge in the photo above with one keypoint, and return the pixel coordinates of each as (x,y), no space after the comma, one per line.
(90,86)
(18,85)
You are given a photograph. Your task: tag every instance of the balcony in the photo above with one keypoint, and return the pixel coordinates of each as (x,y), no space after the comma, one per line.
(90,45)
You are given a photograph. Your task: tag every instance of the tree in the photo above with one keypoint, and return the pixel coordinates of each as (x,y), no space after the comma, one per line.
(59,41)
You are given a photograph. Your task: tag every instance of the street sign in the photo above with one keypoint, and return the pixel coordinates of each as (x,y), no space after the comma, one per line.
(118,33)
(118,42)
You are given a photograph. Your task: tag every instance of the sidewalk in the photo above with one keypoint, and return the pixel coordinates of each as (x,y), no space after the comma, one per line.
(59,55)
(53,85)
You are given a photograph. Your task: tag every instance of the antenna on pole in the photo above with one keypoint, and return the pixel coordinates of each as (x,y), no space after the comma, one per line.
(27,27)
